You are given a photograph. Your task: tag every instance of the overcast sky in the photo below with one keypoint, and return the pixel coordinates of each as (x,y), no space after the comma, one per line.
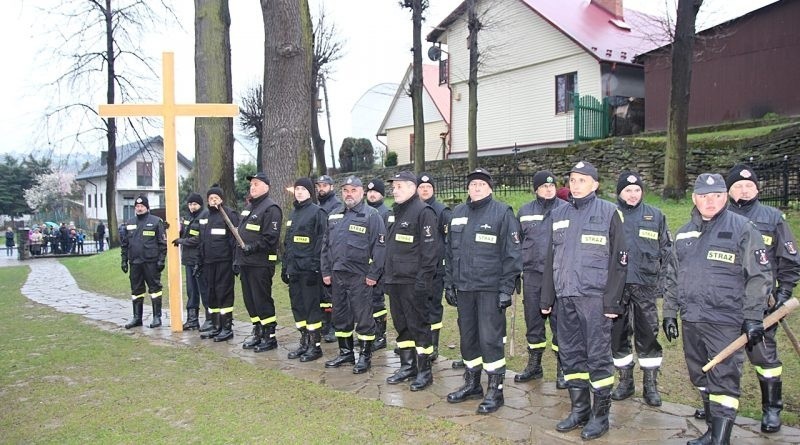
(377,35)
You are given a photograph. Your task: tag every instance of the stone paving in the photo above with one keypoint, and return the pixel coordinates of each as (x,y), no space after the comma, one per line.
(529,416)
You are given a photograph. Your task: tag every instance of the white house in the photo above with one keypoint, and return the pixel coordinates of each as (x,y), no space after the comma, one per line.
(398,124)
(140,170)
(534,55)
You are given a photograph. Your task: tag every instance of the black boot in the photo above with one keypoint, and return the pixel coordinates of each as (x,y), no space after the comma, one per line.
(254,338)
(771,404)
(303,347)
(533,370)
(458,364)
(424,375)
(472,388)
(314,350)
(650,383)
(380,333)
(598,422)
(561,382)
(328,332)
(215,326)
(705,439)
(192,321)
(156,322)
(208,324)
(579,412)
(345,353)
(494,395)
(721,428)
(138,305)
(268,341)
(226,327)
(435,340)
(408,367)
(364,357)
(625,388)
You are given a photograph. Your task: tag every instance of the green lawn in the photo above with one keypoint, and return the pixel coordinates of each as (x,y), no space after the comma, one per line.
(724,135)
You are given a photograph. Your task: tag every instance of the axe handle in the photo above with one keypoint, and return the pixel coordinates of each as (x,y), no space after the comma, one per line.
(228,223)
(787,329)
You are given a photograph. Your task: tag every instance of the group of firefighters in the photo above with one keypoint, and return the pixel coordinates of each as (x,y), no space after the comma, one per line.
(594,269)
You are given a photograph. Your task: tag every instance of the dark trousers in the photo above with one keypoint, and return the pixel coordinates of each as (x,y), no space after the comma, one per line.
(535,332)
(145,273)
(483,329)
(100,243)
(352,305)
(408,315)
(326,298)
(701,342)
(640,320)
(764,356)
(219,280)
(584,342)
(195,289)
(435,308)
(257,293)
(304,290)
(378,299)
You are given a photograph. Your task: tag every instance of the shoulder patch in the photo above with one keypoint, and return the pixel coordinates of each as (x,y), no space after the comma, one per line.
(790,247)
(761,256)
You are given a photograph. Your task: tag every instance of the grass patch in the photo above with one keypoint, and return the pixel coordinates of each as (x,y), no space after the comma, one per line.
(724,135)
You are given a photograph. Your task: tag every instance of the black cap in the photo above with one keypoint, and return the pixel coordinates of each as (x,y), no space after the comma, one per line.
(196,198)
(353,181)
(261,176)
(709,183)
(324,179)
(404,176)
(426,178)
(543,177)
(306,184)
(377,186)
(741,172)
(142,199)
(482,174)
(215,190)
(585,168)
(627,178)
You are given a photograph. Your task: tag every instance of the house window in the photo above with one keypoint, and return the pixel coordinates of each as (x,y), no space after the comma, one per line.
(144,174)
(89,201)
(161,180)
(101,200)
(411,147)
(565,88)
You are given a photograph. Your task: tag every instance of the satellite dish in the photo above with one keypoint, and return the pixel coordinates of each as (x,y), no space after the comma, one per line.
(434,53)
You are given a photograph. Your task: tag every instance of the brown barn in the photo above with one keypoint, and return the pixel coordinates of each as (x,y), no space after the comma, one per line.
(743,69)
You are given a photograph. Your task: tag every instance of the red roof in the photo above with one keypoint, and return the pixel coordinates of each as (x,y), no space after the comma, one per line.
(439,93)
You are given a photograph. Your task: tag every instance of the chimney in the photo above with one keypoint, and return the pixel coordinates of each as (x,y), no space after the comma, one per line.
(614,7)
(103,157)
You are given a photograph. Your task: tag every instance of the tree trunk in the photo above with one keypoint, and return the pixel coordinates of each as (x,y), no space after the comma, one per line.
(416,88)
(111,135)
(473,25)
(213,143)
(678,119)
(288,52)
(316,138)
(328,116)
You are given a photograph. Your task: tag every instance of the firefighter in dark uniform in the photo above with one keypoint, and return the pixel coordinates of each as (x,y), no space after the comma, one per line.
(724,279)
(352,262)
(426,189)
(144,247)
(217,248)
(482,262)
(742,184)
(260,229)
(375,193)
(190,258)
(649,276)
(305,232)
(412,255)
(585,271)
(329,203)
(534,221)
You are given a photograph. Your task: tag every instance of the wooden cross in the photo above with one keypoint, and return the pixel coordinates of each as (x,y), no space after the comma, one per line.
(168,110)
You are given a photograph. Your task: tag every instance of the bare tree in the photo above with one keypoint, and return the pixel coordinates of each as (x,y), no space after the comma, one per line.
(418,8)
(327,49)
(251,118)
(474,26)
(213,137)
(288,54)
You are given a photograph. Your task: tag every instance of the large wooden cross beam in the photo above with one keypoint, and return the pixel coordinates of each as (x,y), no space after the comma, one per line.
(168,110)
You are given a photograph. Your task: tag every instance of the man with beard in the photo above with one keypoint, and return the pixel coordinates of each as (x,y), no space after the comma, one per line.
(375,194)
(190,257)
(329,203)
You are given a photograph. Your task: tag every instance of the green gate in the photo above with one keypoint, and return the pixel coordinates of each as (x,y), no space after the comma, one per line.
(591,118)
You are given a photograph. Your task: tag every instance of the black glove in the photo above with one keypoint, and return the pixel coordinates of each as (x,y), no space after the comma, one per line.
(247,249)
(754,330)
(503,300)
(450,296)
(670,326)
(781,297)
(197,270)
(236,270)
(177,242)
(124,266)
(284,276)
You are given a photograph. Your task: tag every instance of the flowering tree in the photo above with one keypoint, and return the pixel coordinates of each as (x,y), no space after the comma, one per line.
(50,190)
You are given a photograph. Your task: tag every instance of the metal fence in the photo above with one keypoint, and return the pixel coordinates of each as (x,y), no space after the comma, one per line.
(779,180)
(453,187)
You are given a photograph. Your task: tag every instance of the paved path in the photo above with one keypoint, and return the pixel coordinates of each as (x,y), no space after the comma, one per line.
(529,415)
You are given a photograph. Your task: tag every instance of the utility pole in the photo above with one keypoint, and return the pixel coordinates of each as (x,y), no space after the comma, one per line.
(328,116)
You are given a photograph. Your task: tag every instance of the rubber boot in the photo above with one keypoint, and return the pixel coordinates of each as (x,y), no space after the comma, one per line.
(580,410)
(192,321)
(138,306)
(625,388)
(364,357)
(533,370)
(268,341)
(254,338)
(408,367)
(156,321)
(650,383)
(345,353)
(215,326)
(208,324)
(435,340)
(494,395)
(705,439)
(598,422)
(226,327)
(380,333)
(314,350)
(472,388)
(424,375)
(561,381)
(721,428)
(328,332)
(302,348)
(771,405)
